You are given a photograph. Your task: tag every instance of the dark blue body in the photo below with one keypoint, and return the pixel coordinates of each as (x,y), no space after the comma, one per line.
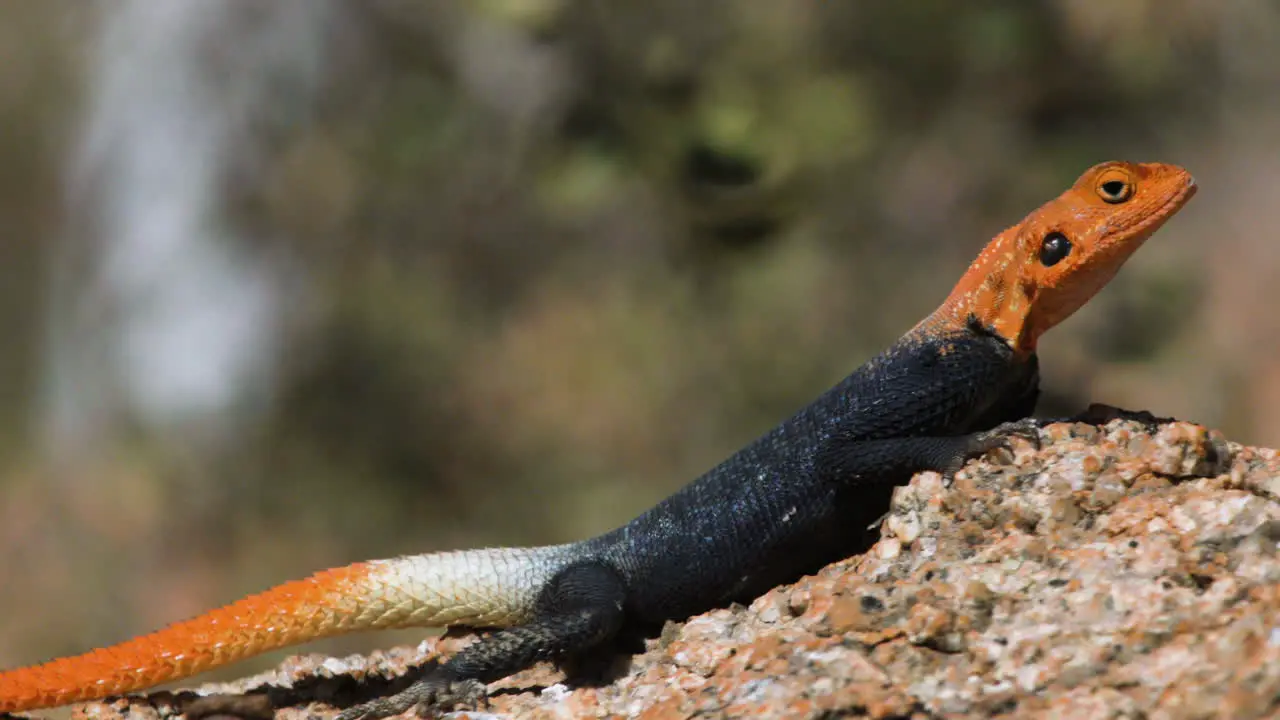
(783,506)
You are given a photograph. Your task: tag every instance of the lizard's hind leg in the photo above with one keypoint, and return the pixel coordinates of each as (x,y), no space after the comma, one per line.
(581,607)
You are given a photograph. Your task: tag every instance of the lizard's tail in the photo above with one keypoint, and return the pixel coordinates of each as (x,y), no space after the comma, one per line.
(473,588)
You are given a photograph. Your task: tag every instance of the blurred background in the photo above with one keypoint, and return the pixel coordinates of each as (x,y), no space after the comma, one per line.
(287,285)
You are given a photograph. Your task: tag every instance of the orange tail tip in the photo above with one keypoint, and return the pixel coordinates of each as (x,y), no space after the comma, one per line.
(324,604)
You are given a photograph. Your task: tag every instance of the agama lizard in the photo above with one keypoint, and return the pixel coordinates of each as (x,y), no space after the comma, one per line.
(961,382)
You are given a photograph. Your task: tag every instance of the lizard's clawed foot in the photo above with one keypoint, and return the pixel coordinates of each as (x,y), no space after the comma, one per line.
(999,437)
(426,697)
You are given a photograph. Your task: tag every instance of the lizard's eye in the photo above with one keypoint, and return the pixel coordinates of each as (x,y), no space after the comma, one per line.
(1054,248)
(1115,186)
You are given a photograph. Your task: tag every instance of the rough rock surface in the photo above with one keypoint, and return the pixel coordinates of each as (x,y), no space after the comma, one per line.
(1113,573)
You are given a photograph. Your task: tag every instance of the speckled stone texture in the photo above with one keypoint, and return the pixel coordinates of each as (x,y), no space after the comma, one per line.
(1114,573)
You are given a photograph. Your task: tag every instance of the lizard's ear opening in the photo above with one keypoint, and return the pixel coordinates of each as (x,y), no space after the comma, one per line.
(1115,186)
(1054,248)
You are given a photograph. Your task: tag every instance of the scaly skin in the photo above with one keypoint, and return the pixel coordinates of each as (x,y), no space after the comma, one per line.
(482,588)
(1008,291)
(785,505)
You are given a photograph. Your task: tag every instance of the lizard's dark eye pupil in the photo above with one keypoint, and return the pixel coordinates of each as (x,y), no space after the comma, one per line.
(1115,191)
(1054,248)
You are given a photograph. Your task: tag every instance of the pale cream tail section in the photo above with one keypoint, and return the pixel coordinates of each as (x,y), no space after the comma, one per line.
(475,588)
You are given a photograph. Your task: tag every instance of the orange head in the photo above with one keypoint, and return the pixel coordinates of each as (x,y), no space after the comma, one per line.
(1037,273)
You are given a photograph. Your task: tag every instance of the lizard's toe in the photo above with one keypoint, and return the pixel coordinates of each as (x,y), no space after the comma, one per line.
(999,437)
(426,698)
(467,693)
(1027,429)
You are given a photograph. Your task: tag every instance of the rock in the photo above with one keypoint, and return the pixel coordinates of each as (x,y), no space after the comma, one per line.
(1115,572)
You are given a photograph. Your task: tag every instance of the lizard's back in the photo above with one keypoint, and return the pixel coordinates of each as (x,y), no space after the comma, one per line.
(771,512)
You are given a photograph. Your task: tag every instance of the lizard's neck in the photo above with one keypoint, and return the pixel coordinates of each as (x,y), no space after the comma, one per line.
(991,295)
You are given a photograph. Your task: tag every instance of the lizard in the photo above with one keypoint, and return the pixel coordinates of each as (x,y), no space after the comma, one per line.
(960,383)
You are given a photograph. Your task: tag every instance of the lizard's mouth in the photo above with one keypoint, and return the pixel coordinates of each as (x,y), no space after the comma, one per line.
(1150,222)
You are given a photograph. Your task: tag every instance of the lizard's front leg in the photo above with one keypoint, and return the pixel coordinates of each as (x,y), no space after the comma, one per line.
(895,460)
